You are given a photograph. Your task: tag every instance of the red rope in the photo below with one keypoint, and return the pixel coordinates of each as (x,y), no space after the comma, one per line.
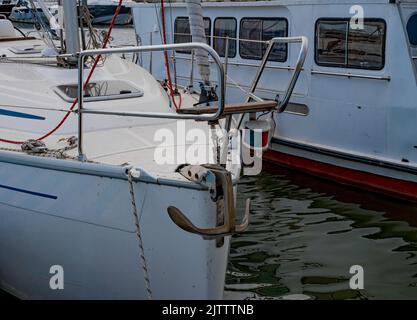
(59,125)
(169,82)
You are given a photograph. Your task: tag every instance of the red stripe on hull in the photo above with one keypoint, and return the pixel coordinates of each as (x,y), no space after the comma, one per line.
(371,182)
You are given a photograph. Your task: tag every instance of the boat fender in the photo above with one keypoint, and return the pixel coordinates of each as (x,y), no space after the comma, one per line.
(256,135)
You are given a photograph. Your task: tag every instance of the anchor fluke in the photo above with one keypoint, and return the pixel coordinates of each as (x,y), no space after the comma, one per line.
(229,228)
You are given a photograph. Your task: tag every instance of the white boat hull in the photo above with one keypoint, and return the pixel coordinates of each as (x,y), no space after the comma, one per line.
(81,219)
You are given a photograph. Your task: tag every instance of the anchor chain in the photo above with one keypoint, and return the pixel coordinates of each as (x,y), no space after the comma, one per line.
(133,173)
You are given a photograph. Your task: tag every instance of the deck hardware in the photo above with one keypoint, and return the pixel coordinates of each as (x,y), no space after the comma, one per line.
(202,176)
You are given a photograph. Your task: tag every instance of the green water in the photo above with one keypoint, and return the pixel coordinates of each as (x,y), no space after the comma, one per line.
(305,235)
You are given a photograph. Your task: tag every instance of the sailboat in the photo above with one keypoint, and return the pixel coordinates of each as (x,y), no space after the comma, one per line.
(91,205)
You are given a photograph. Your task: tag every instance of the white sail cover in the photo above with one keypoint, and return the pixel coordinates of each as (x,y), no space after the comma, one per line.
(195,13)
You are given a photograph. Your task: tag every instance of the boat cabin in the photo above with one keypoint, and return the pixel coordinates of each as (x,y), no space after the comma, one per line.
(354,104)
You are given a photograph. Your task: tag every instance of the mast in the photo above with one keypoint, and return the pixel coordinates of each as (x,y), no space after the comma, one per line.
(195,13)
(71,27)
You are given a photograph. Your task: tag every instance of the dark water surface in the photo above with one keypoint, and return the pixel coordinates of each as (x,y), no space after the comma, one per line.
(305,234)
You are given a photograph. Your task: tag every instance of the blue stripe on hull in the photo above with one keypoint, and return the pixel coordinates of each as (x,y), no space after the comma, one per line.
(38,194)
(15,114)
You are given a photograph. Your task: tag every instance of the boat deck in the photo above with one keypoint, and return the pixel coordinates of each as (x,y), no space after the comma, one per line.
(107,139)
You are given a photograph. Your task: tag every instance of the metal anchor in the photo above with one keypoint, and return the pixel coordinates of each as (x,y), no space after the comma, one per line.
(223,179)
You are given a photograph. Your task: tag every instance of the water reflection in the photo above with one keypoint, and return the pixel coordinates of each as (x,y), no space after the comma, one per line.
(305,234)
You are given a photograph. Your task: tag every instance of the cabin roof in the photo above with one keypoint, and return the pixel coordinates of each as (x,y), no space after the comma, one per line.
(281,2)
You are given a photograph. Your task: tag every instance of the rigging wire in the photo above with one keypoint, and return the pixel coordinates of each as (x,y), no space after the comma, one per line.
(171,90)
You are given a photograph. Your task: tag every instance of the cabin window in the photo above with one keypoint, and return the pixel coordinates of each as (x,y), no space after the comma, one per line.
(255,31)
(412,30)
(182,32)
(225,28)
(338,45)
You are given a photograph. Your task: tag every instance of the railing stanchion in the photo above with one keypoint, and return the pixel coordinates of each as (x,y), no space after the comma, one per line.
(151,54)
(191,84)
(81,155)
(282,105)
(226,57)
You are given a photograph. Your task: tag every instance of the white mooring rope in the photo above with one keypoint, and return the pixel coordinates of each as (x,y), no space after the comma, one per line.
(133,173)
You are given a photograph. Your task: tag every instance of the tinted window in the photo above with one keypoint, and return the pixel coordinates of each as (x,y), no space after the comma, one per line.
(272,29)
(331,43)
(253,31)
(182,30)
(338,45)
(225,28)
(182,33)
(366,47)
(250,30)
(412,29)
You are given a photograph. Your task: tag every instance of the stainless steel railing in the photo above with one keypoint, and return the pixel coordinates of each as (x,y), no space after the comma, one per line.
(165,115)
(297,69)
(220,75)
(282,104)
(351,75)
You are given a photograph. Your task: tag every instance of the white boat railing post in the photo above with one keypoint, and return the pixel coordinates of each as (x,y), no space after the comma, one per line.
(151,54)
(226,57)
(191,84)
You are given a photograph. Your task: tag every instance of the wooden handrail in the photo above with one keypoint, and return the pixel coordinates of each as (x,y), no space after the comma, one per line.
(236,108)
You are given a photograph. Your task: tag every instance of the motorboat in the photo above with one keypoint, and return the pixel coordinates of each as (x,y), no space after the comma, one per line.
(351,118)
(103,11)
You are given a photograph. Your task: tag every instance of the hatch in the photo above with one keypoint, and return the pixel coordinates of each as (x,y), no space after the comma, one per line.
(28,49)
(100,91)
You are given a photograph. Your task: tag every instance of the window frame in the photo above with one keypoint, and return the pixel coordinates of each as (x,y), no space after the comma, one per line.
(210,37)
(237,36)
(263,19)
(347,66)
